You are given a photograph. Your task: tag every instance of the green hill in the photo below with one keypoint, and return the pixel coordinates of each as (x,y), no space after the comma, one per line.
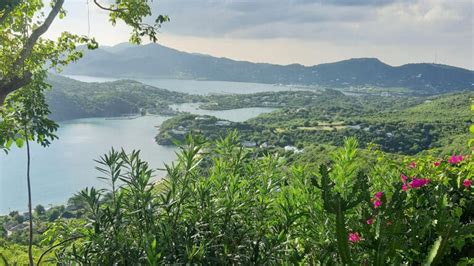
(70,99)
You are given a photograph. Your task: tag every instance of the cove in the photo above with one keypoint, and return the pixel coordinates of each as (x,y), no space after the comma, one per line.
(67,166)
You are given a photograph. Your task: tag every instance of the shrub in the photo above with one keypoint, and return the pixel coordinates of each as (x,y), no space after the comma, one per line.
(220,204)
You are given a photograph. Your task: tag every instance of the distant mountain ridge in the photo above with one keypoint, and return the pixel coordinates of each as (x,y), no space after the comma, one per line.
(156,61)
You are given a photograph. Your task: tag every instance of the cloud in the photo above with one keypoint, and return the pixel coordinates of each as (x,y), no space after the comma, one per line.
(371,21)
(224,18)
(352,2)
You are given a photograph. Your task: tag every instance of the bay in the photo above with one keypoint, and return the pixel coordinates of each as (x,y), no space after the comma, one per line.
(67,166)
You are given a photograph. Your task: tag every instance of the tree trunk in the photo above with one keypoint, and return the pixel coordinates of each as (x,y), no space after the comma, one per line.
(30,240)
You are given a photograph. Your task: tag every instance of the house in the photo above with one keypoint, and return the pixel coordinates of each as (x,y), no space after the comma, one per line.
(223,123)
(249,144)
(178,132)
(265,145)
(293,149)
(354,127)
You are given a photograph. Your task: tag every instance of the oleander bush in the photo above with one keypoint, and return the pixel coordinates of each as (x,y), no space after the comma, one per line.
(220,204)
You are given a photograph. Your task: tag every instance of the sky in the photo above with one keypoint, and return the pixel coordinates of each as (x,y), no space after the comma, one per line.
(307,32)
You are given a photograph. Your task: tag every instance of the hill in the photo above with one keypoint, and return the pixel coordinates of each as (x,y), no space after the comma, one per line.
(157,61)
(70,99)
(398,124)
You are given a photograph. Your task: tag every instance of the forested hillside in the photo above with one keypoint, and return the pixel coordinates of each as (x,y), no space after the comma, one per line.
(153,60)
(403,125)
(70,99)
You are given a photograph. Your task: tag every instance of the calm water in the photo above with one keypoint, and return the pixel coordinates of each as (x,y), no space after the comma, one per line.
(67,166)
(197,86)
(236,115)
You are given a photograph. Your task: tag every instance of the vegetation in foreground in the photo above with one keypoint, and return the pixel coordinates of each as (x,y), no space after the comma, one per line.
(222,205)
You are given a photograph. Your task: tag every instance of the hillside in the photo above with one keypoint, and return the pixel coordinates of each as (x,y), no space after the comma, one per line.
(155,61)
(70,99)
(402,125)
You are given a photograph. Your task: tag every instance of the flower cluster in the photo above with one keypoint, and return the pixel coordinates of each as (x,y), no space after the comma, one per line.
(419,182)
(455,159)
(414,183)
(467,183)
(404,181)
(354,237)
(377,199)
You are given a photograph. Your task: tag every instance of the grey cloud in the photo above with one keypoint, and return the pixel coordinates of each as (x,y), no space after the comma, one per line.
(358,2)
(223,18)
(343,21)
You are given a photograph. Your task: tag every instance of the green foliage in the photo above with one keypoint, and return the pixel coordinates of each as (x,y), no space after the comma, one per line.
(16,254)
(221,204)
(133,12)
(24,62)
(25,116)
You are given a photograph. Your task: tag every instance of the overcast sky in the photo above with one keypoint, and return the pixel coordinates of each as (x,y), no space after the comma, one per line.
(308,32)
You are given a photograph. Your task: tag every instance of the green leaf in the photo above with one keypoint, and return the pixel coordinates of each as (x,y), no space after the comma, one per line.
(19,142)
(433,251)
(9,143)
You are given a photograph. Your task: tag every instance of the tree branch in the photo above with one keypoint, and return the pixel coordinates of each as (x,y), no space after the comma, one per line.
(108,8)
(36,34)
(4,16)
(12,82)
(9,86)
(55,246)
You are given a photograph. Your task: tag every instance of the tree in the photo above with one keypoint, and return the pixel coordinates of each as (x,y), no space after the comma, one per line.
(25,58)
(39,209)
(22,47)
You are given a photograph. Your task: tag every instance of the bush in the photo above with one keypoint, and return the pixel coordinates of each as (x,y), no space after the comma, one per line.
(221,205)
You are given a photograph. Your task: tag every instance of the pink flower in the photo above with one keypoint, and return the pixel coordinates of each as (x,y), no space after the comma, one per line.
(404,178)
(376,199)
(455,159)
(467,183)
(378,195)
(412,164)
(370,221)
(377,203)
(436,164)
(354,237)
(404,181)
(419,182)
